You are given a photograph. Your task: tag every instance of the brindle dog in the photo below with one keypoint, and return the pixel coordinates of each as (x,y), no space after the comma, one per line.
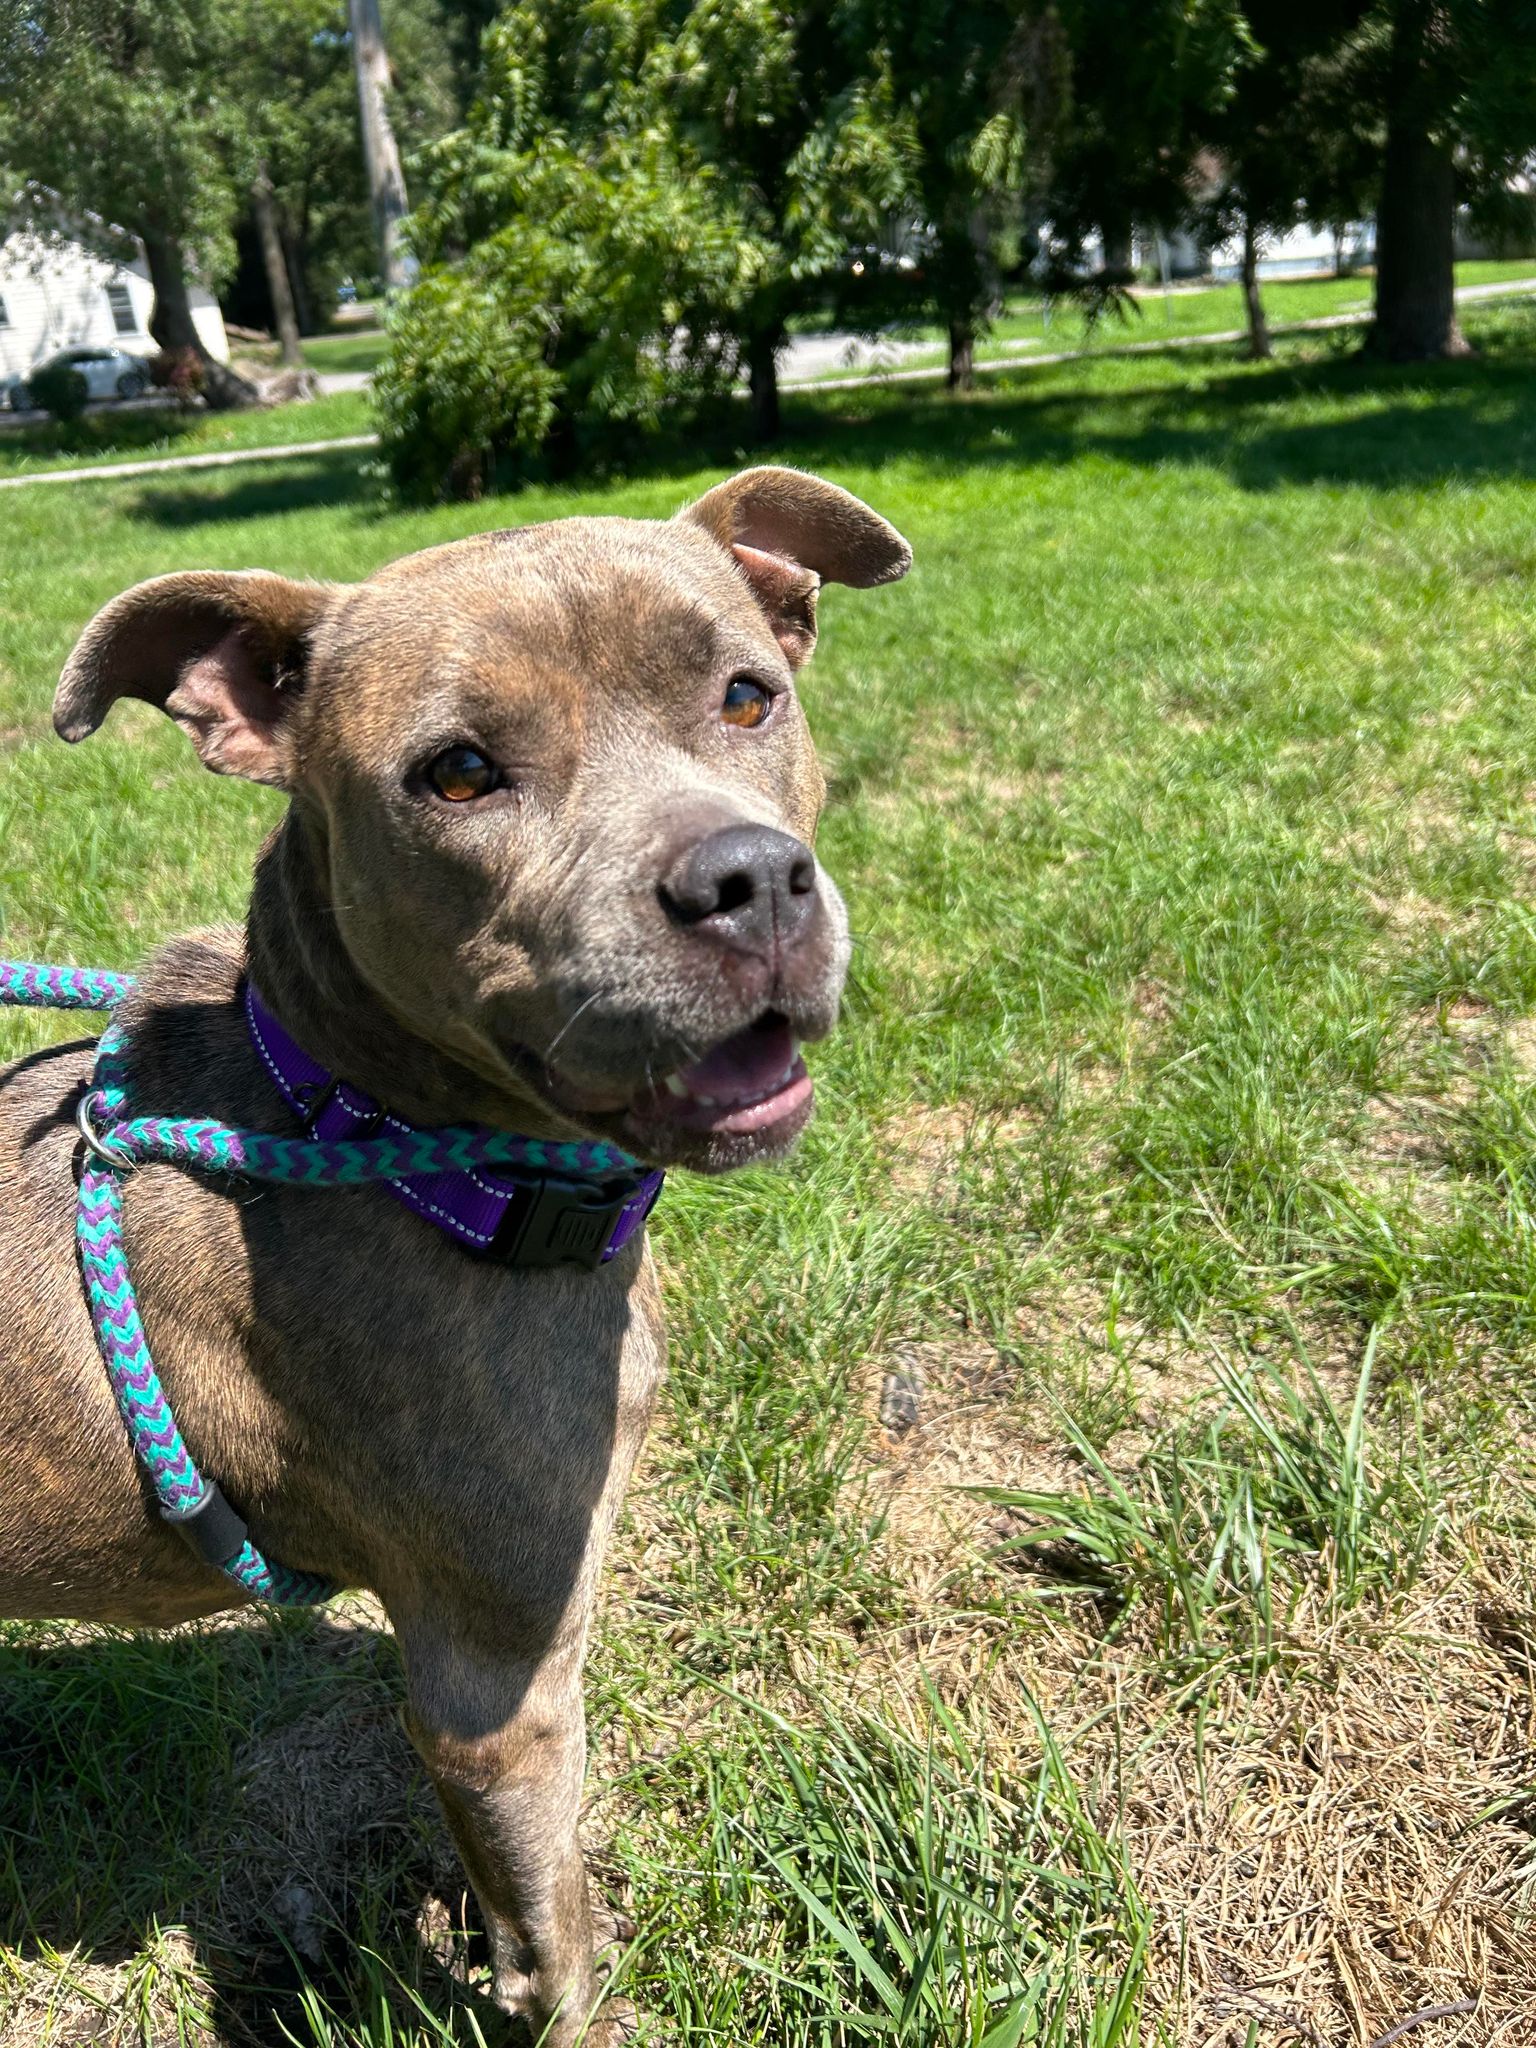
(546,866)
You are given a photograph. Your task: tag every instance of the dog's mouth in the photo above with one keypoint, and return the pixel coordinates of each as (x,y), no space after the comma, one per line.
(750,1082)
(752,1085)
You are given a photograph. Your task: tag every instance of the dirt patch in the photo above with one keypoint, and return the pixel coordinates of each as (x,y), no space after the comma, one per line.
(926,1144)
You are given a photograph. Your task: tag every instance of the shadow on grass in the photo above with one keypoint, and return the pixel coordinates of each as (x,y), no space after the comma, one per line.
(1338,420)
(1413,427)
(112,431)
(298,484)
(247,1784)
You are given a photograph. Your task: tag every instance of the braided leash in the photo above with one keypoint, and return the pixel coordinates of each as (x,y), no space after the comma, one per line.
(118,1142)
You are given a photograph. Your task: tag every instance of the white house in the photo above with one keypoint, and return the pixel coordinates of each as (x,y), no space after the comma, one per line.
(56,294)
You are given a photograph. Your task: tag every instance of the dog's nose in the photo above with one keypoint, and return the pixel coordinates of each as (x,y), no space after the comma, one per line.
(747,887)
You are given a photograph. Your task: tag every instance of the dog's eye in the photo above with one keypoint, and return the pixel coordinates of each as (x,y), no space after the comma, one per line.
(746,702)
(460,774)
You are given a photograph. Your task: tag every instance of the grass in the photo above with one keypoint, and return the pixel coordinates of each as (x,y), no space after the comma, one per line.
(105,437)
(1028,322)
(359,350)
(1171,1680)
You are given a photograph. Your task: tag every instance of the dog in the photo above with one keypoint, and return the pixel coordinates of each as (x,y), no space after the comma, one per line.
(546,867)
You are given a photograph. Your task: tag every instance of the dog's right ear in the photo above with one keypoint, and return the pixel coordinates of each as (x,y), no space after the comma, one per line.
(224,653)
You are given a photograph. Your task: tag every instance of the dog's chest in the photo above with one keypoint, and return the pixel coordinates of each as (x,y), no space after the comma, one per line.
(402,1405)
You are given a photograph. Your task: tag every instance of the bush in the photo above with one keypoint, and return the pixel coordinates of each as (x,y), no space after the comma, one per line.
(566,294)
(61,391)
(463,383)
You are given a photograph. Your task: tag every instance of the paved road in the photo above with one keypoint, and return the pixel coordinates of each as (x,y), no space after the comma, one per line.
(819,345)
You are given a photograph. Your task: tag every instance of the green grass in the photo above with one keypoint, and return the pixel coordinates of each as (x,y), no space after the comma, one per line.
(1177,1143)
(139,436)
(360,350)
(1028,322)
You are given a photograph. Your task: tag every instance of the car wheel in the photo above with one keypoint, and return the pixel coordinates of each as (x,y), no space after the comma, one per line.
(131,384)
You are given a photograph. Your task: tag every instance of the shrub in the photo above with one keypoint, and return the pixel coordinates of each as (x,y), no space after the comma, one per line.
(61,391)
(566,293)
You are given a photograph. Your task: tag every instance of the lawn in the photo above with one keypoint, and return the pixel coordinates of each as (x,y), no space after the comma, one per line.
(1169,1678)
(107,437)
(358,349)
(1154,316)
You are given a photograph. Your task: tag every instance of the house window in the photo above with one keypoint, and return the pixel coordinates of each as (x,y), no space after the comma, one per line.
(5,318)
(120,305)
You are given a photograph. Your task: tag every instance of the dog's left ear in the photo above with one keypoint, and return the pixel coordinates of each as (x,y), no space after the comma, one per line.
(223,653)
(789,533)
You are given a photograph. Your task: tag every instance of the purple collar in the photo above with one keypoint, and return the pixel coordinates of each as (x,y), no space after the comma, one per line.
(511,1218)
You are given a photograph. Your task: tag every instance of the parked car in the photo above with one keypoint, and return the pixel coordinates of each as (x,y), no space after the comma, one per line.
(108,373)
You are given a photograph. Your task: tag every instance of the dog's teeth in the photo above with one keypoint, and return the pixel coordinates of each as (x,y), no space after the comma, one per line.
(674,1086)
(706,1101)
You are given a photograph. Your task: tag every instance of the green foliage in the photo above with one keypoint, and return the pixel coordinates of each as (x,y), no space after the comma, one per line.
(114,106)
(61,391)
(641,196)
(591,287)
(295,70)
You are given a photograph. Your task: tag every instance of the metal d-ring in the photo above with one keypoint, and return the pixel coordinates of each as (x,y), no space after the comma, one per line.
(94,1141)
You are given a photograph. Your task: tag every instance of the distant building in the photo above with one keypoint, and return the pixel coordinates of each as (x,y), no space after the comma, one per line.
(1303,251)
(57,294)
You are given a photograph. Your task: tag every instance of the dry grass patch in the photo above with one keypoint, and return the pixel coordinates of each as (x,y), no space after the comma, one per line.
(1329,1853)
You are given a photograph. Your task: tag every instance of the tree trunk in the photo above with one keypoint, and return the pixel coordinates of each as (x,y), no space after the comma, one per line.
(1258,328)
(1416,218)
(283,316)
(173,328)
(381,159)
(763,384)
(1119,250)
(962,356)
(293,256)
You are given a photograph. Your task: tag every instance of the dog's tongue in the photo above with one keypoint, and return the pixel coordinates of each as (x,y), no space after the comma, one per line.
(742,1068)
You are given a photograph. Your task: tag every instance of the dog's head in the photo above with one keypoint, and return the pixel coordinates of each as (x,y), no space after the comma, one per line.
(561,791)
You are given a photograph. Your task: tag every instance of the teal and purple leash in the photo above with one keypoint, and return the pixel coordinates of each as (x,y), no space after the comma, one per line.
(117,1142)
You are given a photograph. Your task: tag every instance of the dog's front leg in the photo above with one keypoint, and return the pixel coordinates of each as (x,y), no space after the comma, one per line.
(505,1744)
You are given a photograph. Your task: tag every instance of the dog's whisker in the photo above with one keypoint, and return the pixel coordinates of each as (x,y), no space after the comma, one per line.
(575,1017)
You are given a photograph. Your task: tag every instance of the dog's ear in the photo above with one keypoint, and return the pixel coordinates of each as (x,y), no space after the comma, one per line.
(223,653)
(790,533)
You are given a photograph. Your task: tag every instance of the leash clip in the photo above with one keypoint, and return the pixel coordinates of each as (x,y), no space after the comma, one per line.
(94,1141)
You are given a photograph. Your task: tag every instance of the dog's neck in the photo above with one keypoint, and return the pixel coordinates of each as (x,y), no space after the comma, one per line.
(313,988)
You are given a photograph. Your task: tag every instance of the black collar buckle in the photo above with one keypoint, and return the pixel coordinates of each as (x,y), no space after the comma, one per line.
(554,1222)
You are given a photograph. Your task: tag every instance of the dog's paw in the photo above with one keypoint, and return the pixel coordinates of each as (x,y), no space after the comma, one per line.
(611,1932)
(615,2026)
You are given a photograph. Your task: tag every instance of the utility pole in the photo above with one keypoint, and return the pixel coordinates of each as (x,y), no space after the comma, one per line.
(386,184)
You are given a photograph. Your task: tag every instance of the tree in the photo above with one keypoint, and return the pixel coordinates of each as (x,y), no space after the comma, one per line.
(1433,62)
(279,285)
(980,86)
(777,135)
(568,287)
(1418,106)
(795,116)
(1146,76)
(296,75)
(1264,161)
(112,111)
